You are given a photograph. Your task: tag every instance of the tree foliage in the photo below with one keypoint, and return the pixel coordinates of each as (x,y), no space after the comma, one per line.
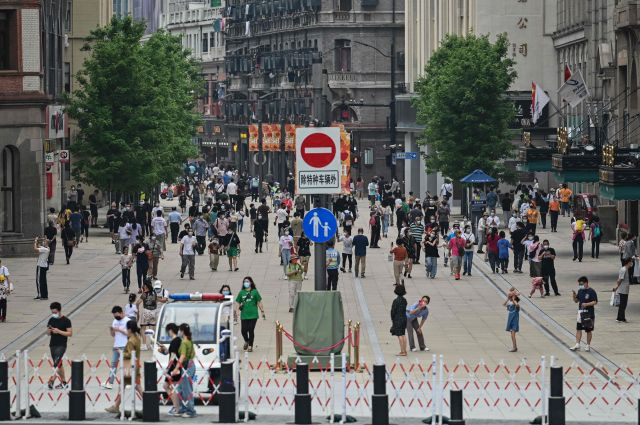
(134,108)
(462,103)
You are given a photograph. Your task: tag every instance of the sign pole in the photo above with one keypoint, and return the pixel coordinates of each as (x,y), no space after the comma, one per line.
(320,253)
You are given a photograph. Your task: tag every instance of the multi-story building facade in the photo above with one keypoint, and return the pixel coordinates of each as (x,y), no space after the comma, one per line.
(200,26)
(529,26)
(308,61)
(31,84)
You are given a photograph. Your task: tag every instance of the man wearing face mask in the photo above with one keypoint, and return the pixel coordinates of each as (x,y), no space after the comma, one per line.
(517,239)
(118,331)
(187,251)
(59,328)
(431,254)
(493,220)
(443,217)
(513,221)
(469,240)
(547,257)
(417,311)
(586,298)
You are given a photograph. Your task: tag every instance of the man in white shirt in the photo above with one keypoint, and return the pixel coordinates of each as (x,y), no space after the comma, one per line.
(513,221)
(119,333)
(159,229)
(188,254)
(42,266)
(281,217)
(493,220)
(232,191)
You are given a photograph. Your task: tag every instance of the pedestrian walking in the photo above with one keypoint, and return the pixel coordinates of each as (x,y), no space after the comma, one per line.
(248,302)
(533,249)
(295,275)
(400,255)
(492,249)
(286,248)
(431,243)
(586,298)
(578,238)
(155,247)
(142,253)
(188,245)
(200,227)
(347,251)
(185,372)
(132,347)
(456,249)
(518,237)
(68,237)
(332,264)
(621,290)
(85,223)
(214,254)
(159,229)
(173,351)
(443,213)
(60,330)
(410,245)
(503,252)
(532,218)
(76,224)
(513,316)
(258,234)
(360,244)
(565,199)
(233,252)
(148,307)
(175,219)
(595,235)
(304,252)
(42,266)
(417,312)
(5,290)
(126,261)
(120,335)
(554,212)
(469,240)
(399,318)
(547,258)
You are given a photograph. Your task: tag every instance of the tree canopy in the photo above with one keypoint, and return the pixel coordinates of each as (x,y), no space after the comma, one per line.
(463,104)
(134,108)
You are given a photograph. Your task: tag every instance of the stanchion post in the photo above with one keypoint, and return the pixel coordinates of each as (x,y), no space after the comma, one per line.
(150,396)
(302,398)
(556,400)
(77,395)
(134,362)
(356,347)
(25,356)
(5,395)
(18,387)
(379,398)
(350,342)
(278,365)
(227,394)
(456,403)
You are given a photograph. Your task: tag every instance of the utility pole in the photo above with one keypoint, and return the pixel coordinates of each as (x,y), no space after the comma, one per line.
(392,104)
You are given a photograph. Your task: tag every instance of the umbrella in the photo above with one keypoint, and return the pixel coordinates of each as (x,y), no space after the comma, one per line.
(478,176)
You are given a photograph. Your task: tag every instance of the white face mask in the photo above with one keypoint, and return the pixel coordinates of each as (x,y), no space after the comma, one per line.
(55,315)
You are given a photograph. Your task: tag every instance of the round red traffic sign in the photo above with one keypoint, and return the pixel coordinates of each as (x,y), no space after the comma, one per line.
(318,150)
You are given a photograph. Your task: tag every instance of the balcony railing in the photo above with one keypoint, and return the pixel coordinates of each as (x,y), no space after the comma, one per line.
(338,78)
(575,161)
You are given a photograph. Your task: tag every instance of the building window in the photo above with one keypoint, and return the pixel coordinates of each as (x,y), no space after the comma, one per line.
(205,42)
(345,5)
(8,40)
(8,162)
(343,55)
(212,40)
(68,17)
(67,77)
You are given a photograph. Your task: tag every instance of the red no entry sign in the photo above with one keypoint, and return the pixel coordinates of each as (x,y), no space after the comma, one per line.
(318,150)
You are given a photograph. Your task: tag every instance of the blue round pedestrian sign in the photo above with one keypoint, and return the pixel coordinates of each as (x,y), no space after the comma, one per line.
(319,225)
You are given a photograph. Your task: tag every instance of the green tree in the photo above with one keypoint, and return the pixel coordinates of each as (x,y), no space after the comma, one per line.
(463,104)
(134,108)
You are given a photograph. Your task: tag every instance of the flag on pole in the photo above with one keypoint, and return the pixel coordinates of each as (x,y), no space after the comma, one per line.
(574,90)
(567,72)
(539,100)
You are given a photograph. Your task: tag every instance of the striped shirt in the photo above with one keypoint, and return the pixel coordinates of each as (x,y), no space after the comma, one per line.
(416,230)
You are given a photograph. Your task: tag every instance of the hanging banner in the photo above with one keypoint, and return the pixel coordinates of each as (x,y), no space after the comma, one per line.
(276,131)
(267,137)
(290,138)
(253,138)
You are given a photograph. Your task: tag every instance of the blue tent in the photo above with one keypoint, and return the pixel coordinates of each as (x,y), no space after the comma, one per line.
(478,176)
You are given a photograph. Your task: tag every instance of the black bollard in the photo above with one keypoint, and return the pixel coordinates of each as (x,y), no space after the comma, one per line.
(5,395)
(303,398)
(379,399)
(77,395)
(227,394)
(150,396)
(556,400)
(456,407)
(556,381)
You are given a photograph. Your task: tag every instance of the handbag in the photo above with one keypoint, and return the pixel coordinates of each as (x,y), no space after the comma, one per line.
(586,320)
(71,242)
(615,299)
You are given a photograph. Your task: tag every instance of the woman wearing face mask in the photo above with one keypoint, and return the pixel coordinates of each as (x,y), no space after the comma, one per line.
(492,249)
(469,240)
(233,251)
(186,368)
(431,253)
(248,302)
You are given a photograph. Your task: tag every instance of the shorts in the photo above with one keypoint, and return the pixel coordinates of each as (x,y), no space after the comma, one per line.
(580,328)
(148,317)
(57,353)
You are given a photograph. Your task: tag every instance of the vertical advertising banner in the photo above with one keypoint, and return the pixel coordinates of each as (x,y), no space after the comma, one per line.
(253,138)
(276,132)
(267,137)
(345,159)
(290,138)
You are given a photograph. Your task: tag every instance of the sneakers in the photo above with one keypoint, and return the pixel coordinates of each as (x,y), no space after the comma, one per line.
(112,409)
(576,347)
(587,348)
(424,349)
(414,349)
(188,415)
(107,386)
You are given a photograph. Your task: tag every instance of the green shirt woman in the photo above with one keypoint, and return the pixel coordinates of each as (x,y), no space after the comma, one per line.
(248,302)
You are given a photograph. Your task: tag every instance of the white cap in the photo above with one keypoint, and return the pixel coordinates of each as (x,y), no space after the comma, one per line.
(157,284)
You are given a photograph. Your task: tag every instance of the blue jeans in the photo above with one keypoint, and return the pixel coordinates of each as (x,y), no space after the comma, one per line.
(115,359)
(286,258)
(431,265)
(467,261)
(186,390)
(566,209)
(385,224)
